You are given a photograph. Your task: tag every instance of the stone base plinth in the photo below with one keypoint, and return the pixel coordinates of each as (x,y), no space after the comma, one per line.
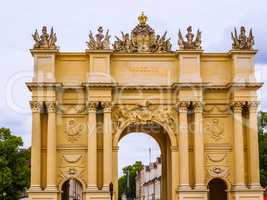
(194,194)
(92,194)
(43,195)
(248,194)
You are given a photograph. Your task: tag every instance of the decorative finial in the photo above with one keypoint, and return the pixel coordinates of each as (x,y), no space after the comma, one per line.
(142,19)
(45,40)
(99,41)
(242,41)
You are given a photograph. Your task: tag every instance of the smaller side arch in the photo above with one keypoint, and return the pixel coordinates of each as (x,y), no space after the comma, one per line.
(68,178)
(218,189)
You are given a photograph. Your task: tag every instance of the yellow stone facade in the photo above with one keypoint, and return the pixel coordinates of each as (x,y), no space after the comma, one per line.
(200,107)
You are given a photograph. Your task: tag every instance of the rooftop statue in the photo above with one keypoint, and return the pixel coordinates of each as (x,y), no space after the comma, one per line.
(142,40)
(100,41)
(242,41)
(45,40)
(190,43)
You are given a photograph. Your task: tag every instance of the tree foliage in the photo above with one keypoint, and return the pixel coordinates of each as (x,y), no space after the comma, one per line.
(130,188)
(263,147)
(14,168)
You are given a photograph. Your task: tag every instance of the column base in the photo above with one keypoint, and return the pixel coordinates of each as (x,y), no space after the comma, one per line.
(35,188)
(248,194)
(97,195)
(184,188)
(51,188)
(193,194)
(92,188)
(239,187)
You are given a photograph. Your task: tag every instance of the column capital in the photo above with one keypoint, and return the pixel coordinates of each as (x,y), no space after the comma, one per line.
(237,106)
(107,106)
(51,106)
(36,106)
(183,106)
(253,106)
(198,106)
(91,106)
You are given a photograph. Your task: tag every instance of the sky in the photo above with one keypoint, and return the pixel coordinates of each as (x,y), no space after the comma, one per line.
(72,21)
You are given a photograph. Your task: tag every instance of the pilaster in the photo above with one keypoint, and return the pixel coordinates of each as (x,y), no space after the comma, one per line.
(183,146)
(189,66)
(199,146)
(239,168)
(51,147)
(92,146)
(243,67)
(107,166)
(44,65)
(99,66)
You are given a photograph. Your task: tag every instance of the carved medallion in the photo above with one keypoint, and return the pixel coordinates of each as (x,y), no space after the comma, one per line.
(215,129)
(218,171)
(74,129)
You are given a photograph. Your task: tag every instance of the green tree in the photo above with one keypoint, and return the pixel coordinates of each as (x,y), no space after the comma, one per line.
(14,168)
(263,147)
(130,173)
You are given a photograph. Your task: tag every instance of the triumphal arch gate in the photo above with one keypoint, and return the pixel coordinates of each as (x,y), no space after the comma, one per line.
(200,107)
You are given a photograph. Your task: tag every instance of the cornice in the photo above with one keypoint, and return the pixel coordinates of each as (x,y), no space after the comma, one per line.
(189,85)
(32,85)
(44,51)
(254,85)
(168,54)
(98,85)
(144,87)
(253,52)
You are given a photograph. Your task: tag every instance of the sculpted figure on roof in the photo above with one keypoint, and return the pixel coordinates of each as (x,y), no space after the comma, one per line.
(142,40)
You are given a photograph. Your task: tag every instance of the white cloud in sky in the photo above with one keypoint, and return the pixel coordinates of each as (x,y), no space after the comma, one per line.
(72,21)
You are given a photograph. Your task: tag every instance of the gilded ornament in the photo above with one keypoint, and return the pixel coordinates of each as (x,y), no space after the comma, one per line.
(142,40)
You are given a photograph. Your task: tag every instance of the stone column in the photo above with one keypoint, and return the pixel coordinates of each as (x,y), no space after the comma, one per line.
(253,146)
(92,146)
(239,175)
(36,146)
(183,147)
(107,130)
(199,147)
(51,146)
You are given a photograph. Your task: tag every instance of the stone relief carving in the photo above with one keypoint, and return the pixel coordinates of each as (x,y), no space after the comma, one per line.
(72,109)
(191,43)
(217,157)
(142,39)
(45,40)
(72,158)
(215,129)
(72,166)
(143,114)
(74,129)
(220,109)
(242,41)
(219,171)
(100,41)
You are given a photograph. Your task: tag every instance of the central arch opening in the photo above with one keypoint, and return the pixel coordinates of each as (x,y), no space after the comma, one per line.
(150,144)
